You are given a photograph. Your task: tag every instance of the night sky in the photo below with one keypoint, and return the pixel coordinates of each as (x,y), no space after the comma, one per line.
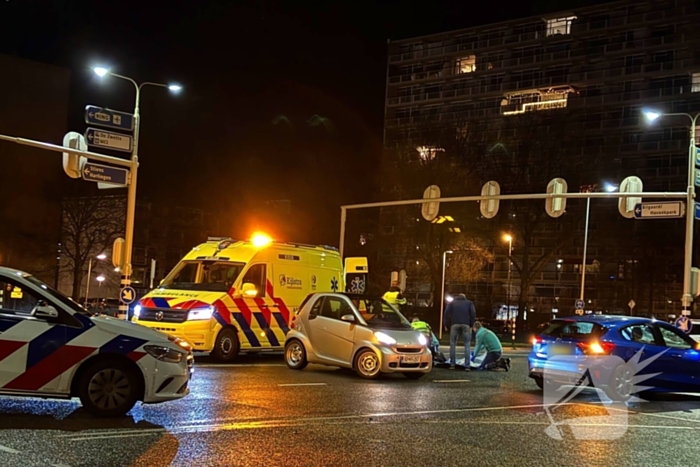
(282,100)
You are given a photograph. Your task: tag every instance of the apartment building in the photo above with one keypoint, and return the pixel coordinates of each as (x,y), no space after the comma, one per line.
(604,64)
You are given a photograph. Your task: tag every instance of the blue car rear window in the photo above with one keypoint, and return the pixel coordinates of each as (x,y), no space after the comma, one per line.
(574,329)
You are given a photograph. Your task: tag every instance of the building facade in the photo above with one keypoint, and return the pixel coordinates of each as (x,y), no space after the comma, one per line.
(604,64)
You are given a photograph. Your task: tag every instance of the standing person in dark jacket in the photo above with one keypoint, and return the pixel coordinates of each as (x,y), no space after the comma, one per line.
(460,316)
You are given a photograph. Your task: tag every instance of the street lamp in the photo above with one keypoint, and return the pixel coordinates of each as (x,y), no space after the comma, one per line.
(101,257)
(609,187)
(651,116)
(442,294)
(509,238)
(100,279)
(131,194)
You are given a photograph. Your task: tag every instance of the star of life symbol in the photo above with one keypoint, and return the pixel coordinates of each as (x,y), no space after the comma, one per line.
(616,381)
(334,284)
(357,285)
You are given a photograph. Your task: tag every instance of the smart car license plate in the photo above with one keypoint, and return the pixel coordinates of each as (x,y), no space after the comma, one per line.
(559,349)
(410,359)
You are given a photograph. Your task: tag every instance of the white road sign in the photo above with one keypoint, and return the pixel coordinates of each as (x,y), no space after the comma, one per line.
(108,139)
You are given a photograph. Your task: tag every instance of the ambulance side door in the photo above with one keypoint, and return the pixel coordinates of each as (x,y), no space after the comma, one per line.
(258,305)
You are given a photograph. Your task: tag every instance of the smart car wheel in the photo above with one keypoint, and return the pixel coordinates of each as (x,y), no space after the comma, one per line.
(295,355)
(367,364)
(621,385)
(226,346)
(109,388)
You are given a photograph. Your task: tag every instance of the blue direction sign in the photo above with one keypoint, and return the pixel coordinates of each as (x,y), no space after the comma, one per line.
(127,295)
(104,174)
(108,139)
(697,178)
(659,210)
(697,211)
(109,118)
(697,155)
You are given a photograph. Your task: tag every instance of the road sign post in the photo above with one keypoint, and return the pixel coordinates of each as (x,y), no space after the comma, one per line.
(109,118)
(105,174)
(109,140)
(489,207)
(659,210)
(632,304)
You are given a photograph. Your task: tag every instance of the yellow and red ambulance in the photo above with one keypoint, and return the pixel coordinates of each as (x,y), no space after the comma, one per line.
(226,296)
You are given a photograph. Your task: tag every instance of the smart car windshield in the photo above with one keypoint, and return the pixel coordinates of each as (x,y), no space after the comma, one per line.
(205,275)
(380,314)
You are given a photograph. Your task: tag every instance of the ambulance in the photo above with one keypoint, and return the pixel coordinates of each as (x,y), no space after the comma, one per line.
(227,296)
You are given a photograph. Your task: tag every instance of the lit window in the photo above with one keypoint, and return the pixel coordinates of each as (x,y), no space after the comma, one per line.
(535,99)
(465,64)
(428,153)
(559,25)
(696,83)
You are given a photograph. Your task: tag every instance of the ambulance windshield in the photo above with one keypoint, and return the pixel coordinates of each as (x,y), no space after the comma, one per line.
(206,275)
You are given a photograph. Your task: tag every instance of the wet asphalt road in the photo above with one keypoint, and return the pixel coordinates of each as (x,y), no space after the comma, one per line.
(259,413)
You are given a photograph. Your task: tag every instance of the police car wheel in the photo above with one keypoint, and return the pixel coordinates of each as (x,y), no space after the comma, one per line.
(226,346)
(367,364)
(109,388)
(295,355)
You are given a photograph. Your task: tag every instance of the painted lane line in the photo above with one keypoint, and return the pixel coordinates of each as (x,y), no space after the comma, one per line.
(302,384)
(110,436)
(451,381)
(10,450)
(99,434)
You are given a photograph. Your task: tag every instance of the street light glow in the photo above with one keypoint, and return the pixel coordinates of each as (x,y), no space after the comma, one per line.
(507,238)
(100,278)
(100,71)
(609,187)
(651,115)
(175,88)
(449,252)
(101,256)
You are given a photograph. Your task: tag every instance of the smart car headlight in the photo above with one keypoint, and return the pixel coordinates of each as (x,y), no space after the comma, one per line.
(422,340)
(164,354)
(384,338)
(200,313)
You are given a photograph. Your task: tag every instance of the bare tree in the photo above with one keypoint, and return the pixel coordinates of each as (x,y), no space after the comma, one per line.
(523,153)
(90,226)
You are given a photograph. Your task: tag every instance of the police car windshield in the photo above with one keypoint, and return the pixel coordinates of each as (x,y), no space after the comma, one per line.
(58,296)
(204,275)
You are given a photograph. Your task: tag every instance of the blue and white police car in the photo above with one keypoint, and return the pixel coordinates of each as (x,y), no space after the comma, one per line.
(51,347)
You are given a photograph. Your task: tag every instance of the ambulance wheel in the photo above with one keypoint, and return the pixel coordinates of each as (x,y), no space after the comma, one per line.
(295,355)
(226,347)
(109,388)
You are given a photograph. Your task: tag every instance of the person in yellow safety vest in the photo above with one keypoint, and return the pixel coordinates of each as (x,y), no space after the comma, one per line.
(394,295)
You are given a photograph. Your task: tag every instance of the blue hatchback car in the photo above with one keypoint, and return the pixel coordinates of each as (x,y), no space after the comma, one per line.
(622,355)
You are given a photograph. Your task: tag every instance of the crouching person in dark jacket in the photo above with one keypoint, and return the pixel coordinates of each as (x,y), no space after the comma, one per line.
(460,316)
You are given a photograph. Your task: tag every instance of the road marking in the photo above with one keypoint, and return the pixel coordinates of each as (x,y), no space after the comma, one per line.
(10,450)
(451,381)
(303,384)
(234,365)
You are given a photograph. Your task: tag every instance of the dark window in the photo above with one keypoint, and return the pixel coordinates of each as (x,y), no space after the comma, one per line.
(675,339)
(574,329)
(640,333)
(257,276)
(16,299)
(633,63)
(334,307)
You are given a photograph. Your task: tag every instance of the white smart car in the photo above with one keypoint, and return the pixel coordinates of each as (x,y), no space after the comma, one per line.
(356,331)
(51,347)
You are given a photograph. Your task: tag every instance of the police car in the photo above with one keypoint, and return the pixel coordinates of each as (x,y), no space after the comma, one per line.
(51,347)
